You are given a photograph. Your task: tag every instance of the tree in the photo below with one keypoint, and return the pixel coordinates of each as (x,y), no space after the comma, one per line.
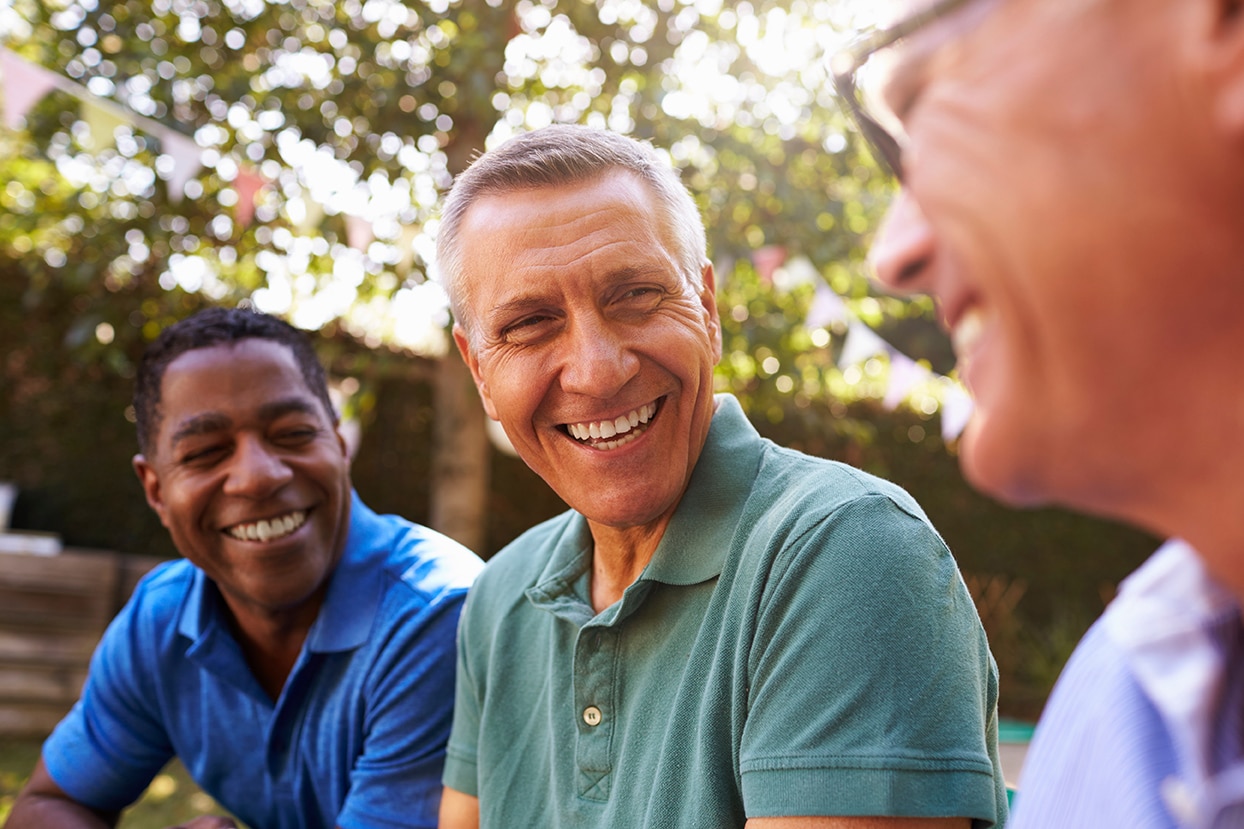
(327,131)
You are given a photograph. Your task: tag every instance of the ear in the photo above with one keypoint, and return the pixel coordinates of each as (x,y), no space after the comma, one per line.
(708,298)
(150,481)
(1224,41)
(464,348)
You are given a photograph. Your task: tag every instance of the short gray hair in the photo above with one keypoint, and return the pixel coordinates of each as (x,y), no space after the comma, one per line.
(565,154)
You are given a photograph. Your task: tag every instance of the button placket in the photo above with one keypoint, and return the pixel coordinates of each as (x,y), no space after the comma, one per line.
(594,680)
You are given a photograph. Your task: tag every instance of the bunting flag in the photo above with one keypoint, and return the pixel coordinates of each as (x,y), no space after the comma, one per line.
(905,375)
(957,407)
(247,185)
(187,161)
(359,232)
(861,344)
(827,308)
(25,84)
(767,260)
(102,124)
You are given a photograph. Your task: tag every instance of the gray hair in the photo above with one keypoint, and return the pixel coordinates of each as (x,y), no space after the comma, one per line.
(565,154)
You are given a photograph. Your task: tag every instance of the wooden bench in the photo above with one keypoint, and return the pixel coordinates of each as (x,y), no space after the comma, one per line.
(53,610)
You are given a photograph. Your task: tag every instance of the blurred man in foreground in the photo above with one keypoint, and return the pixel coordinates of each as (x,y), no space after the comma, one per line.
(721,632)
(299,660)
(1073,196)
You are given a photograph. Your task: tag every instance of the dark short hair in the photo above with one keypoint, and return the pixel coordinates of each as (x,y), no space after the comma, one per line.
(216,326)
(566,154)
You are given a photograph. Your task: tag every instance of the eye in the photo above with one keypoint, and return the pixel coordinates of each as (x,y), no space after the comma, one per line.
(639,298)
(297,436)
(527,329)
(203,455)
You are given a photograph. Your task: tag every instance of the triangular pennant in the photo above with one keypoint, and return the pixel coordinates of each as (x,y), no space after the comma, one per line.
(861,343)
(359,233)
(102,122)
(187,161)
(247,184)
(905,375)
(826,309)
(957,407)
(767,260)
(25,84)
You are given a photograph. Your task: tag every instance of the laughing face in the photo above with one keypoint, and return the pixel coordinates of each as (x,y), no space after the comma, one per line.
(589,345)
(250,476)
(1047,208)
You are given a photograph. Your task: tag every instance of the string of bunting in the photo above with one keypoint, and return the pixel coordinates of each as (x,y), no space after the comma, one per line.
(862,344)
(26,83)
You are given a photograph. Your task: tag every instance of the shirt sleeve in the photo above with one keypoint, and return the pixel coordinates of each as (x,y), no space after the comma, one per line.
(396,782)
(112,743)
(872,690)
(461,764)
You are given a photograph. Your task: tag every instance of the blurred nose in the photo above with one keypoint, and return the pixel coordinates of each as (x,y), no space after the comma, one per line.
(255,471)
(597,361)
(903,248)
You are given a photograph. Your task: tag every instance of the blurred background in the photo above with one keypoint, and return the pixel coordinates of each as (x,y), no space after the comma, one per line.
(160,156)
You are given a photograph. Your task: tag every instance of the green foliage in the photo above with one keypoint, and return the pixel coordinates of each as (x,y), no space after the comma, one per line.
(363,108)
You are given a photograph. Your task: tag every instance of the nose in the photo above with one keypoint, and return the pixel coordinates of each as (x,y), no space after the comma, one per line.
(255,470)
(597,359)
(903,248)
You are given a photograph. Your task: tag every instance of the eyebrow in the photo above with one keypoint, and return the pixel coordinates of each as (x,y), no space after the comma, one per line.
(211,422)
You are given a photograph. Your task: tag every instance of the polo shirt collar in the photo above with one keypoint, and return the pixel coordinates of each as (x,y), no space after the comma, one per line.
(706,517)
(350,605)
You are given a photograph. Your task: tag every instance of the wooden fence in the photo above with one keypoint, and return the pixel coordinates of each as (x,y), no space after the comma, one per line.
(53,609)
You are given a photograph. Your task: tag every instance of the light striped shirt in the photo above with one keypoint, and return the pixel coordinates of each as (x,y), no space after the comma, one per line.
(1145,727)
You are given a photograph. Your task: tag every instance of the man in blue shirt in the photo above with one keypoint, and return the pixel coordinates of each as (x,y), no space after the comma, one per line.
(299,660)
(1073,190)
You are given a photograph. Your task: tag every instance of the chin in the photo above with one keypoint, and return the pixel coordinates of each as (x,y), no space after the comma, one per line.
(1005,472)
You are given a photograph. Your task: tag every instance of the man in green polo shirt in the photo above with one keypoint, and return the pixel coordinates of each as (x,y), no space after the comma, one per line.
(721,632)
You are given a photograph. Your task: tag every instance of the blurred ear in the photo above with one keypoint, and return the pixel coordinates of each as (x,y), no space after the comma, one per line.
(1224,42)
(464,348)
(150,481)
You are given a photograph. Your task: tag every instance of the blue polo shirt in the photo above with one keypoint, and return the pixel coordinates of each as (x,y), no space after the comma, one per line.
(357,737)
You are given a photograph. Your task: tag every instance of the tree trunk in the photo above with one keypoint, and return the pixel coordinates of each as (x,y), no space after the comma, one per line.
(460,457)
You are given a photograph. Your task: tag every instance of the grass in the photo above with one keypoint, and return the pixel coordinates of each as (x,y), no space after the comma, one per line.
(171,799)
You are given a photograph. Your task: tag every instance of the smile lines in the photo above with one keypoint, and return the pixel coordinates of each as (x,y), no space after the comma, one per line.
(271,529)
(624,429)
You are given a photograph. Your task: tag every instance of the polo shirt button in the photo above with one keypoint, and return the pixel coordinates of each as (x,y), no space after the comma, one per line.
(591,715)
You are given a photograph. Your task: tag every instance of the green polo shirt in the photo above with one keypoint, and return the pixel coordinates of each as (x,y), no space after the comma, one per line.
(800,644)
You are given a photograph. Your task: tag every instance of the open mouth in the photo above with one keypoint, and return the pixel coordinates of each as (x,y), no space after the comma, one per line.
(610,434)
(269,529)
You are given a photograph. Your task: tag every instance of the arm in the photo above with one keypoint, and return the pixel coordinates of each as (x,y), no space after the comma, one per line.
(461,811)
(856,823)
(42,804)
(871,675)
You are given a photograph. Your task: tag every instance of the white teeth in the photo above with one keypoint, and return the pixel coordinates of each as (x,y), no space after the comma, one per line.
(606,429)
(270,530)
(967,332)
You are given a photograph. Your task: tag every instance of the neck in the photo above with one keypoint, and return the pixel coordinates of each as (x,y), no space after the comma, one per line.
(619,556)
(272,641)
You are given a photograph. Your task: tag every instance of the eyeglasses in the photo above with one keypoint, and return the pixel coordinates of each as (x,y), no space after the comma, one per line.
(886,149)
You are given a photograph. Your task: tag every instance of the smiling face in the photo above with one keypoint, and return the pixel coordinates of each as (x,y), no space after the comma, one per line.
(589,345)
(250,476)
(1050,205)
